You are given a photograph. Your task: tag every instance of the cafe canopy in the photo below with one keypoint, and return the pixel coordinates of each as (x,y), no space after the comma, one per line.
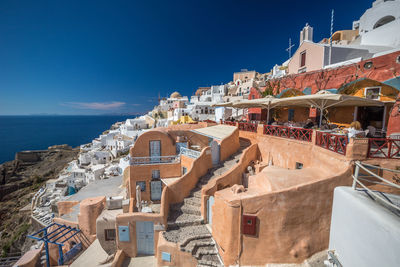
(325,99)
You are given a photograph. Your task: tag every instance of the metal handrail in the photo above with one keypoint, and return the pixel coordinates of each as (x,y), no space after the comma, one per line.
(358,180)
(189,152)
(154,160)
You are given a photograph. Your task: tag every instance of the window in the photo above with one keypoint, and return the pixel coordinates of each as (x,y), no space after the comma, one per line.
(109,234)
(253,97)
(142,185)
(184,170)
(302,59)
(372,93)
(155,174)
(299,165)
(398,60)
(368,65)
(291,114)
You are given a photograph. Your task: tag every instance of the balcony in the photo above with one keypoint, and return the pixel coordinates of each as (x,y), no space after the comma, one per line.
(190,153)
(155,160)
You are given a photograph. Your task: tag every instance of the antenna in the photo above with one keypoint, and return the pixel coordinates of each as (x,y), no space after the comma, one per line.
(289,49)
(330,39)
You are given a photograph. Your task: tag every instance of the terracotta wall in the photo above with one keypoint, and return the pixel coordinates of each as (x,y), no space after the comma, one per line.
(141,147)
(65,207)
(228,179)
(178,257)
(173,193)
(229,145)
(291,225)
(144,173)
(394,120)
(90,209)
(182,187)
(300,114)
(186,162)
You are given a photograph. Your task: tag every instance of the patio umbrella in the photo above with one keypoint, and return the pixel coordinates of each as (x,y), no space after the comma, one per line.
(226,104)
(139,198)
(325,99)
(267,102)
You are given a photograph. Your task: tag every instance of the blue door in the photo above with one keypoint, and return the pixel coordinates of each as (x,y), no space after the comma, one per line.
(155,190)
(145,238)
(215,152)
(210,203)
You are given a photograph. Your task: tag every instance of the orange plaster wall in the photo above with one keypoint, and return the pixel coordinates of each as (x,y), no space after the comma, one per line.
(292,224)
(394,120)
(90,209)
(234,176)
(141,147)
(182,187)
(65,207)
(229,145)
(300,114)
(178,257)
(186,162)
(144,173)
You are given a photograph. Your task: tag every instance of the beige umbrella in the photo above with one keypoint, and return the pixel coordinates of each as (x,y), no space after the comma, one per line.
(139,198)
(267,102)
(226,104)
(325,99)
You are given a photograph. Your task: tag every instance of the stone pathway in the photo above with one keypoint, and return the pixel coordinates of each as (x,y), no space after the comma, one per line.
(185,224)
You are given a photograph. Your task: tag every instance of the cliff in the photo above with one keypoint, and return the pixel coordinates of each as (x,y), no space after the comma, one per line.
(19,180)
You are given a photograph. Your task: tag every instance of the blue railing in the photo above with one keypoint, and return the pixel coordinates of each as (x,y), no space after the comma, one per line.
(190,152)
(154,160)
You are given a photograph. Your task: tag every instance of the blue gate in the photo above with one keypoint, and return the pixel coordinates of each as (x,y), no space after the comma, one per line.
(210,203)
(145,238)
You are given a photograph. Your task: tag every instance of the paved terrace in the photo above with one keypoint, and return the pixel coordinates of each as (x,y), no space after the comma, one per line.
(108,187)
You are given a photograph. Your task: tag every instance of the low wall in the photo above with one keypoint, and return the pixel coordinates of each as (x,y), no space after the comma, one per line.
(65,207)
(178,257)
(144,173)
(182,187)
(172,193)
(291,225)
(229,145)
(228,179)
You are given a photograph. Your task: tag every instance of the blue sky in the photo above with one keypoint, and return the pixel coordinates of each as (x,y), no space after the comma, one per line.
(96,57)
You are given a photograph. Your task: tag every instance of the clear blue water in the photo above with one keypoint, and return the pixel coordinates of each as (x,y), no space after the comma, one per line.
(19,133)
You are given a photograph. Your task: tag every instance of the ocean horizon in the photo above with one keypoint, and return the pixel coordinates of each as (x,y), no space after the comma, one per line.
(36,132)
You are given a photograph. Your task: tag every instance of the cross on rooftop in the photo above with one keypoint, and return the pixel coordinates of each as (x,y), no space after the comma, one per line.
(289,49)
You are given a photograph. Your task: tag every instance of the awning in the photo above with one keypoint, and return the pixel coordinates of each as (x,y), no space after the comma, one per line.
(325,99)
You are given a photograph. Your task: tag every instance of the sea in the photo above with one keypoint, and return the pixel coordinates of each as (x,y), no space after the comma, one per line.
(18,133)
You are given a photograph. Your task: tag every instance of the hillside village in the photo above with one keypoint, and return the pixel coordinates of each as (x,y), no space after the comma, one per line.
(253,172)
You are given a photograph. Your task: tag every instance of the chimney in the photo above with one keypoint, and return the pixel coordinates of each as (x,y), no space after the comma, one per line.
(306,33)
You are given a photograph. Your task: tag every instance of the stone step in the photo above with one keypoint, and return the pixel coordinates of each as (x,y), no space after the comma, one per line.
(206,250)
(186,240)
(195,201)
(182,223)
(196,194)
(193,245)
(190,209)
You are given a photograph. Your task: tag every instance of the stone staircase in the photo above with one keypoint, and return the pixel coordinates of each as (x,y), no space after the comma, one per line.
(185,224)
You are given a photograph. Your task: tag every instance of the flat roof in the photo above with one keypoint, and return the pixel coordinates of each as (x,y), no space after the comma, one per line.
(217,132)
(168,181)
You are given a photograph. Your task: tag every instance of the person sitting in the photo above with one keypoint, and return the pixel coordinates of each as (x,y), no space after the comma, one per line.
(324,125)
(356,125)
(309,124)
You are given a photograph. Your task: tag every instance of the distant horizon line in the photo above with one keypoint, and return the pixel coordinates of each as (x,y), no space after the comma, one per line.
(105,114)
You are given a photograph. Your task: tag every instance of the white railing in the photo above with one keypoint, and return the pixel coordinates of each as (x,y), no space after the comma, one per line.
(190,152)
(359,178)
(155,160)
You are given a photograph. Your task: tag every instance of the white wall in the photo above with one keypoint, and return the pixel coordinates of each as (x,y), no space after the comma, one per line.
(386,35)
(363,233)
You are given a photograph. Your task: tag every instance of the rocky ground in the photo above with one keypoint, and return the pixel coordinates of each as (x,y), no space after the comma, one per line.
(19,180)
